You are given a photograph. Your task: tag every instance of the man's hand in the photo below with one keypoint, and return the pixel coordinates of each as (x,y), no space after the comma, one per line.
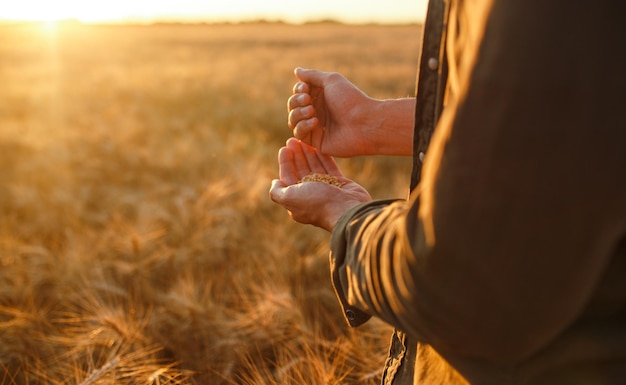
(316,203)
(329,113)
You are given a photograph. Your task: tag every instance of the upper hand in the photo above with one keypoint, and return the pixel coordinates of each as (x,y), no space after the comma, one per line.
(330,113)
(316,203)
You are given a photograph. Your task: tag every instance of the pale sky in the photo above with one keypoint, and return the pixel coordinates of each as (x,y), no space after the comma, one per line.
(352,11)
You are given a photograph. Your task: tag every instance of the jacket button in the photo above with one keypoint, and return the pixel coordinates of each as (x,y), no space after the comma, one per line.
(421,156)
(350,314)
(433,63)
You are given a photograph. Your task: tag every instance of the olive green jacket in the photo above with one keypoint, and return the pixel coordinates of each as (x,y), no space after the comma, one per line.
(508,260)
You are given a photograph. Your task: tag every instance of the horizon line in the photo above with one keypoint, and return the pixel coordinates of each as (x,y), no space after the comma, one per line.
(190,22)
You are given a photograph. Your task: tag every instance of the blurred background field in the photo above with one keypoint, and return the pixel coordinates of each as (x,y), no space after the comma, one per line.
(137,240)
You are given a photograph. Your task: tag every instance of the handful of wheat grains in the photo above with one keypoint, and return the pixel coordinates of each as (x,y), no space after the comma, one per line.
(317,177)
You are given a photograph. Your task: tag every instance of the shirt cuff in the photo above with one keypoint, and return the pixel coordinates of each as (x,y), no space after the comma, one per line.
(338,245)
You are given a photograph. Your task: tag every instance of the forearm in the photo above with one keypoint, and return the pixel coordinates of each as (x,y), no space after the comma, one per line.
(389,131)
(387,262)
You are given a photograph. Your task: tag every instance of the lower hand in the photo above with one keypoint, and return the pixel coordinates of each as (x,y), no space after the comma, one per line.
(316,203)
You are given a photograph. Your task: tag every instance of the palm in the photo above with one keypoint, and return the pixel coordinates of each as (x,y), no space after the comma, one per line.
(315,203)
(335,108)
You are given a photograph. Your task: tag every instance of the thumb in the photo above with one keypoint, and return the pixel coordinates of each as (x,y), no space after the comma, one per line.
(277,191)
(313,77)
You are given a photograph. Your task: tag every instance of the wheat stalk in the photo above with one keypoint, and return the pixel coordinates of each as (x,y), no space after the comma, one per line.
(96,375)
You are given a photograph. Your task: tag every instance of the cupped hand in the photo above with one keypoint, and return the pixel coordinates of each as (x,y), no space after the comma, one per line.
(316,203)
(329,113)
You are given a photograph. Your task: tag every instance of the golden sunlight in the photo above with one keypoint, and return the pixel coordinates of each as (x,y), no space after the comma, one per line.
(147,11)
(50,12)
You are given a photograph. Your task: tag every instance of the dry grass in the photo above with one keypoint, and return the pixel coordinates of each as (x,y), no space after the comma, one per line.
(137,242)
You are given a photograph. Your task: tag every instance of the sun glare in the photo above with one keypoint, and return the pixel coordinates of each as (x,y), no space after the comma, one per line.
(119,11)
(55,11)
(46,12)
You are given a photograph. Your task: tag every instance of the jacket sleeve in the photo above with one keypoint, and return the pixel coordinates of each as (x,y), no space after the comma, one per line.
(522,194)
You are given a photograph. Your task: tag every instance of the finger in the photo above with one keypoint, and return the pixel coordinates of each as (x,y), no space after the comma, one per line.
(329,163)
(286,167)
(313,158)
(304,128)
(277,191)
(317,137)
(298,100)
(300,88)
(311,77)
(299,159)
(298,114)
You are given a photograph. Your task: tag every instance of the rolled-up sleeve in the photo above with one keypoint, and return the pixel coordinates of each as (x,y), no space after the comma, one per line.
(521,201)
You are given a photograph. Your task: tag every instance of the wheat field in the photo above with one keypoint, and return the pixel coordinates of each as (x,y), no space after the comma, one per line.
(138,244)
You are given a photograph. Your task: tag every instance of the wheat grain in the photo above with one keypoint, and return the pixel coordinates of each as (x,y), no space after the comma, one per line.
(326,178)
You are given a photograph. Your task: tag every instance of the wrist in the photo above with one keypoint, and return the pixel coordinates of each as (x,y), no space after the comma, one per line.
(336,212)
(389,130)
